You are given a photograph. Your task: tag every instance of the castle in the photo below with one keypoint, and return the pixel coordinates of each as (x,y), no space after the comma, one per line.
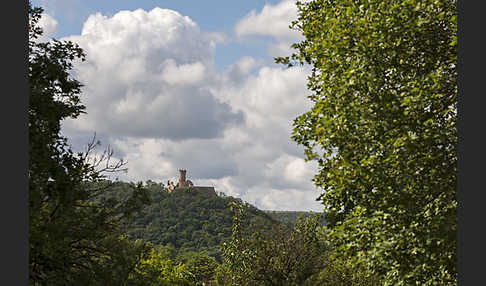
(183,184)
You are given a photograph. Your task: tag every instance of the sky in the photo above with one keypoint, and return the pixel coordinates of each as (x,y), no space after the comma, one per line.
(192,85)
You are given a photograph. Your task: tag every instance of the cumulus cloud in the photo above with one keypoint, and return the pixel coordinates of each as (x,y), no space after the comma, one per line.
(289,171)
(152,93)
(266,158)
(183,74)
(159,158)
(256,161)
(272,21)
(144,77)
(287,199)
(271,96)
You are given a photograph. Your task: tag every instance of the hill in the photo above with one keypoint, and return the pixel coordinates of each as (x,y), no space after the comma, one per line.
(291,217)
(188,219)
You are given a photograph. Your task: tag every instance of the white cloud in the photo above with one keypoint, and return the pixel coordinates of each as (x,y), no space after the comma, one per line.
(290,171)
(246,64)
(143,77)
(256,161)
(152,93)
(273,20)
(272,95)
(280,48)
(183,74)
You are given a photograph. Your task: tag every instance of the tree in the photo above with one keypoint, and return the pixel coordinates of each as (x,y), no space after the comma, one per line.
(383,130)
(280,256)
(199,266)
(73,240)
(157,269)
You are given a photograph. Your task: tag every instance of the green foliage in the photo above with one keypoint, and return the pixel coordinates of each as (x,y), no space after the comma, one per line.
(383,129)
(237,268)
(72,239)
(340,271)
(186,219)
(291,217)
(157,269)
(280,256)
(200,266)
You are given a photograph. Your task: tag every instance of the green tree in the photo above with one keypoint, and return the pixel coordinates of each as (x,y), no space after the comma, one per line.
(236,269)
(72,239)
(340,271)
(383,129)
(200,266)
(156,269)
(280,256)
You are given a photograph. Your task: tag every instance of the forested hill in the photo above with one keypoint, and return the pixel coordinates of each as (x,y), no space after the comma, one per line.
(187,219)
(291,217)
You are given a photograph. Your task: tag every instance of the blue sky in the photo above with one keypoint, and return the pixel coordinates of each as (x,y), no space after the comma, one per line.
(192,85)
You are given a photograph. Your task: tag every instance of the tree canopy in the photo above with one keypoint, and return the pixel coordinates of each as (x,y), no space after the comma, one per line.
(293,255)
(187,219)
(383,130)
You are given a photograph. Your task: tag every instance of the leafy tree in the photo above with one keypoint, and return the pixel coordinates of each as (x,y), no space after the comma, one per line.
(236,269)
(200,266)
(72,239)
(383,129)
(340,271)
(159,270)
(281,256)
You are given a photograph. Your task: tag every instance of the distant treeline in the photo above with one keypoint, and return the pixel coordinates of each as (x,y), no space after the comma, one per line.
(291,217)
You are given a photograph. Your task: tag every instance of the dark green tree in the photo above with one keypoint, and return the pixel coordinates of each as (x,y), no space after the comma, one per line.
(383,129)
(72,239)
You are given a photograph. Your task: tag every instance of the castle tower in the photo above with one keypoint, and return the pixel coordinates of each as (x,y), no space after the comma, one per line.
(182,177)
(183,183)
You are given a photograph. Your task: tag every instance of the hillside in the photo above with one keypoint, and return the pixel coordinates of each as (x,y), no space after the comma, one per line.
(187,219)
(291,217)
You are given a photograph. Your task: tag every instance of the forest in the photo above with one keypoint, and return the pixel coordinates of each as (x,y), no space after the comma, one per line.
(291,217)
(185,219)
(382,128)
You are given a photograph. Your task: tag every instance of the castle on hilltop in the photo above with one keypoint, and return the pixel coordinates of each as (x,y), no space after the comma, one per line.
(186,184)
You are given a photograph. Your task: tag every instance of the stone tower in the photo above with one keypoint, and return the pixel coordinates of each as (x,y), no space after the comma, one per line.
(182,178)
